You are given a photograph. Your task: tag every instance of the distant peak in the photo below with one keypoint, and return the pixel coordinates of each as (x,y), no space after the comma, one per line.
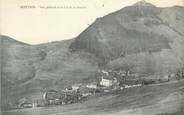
(143,3)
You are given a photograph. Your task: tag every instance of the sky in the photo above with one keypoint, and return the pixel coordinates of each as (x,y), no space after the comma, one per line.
(43,22)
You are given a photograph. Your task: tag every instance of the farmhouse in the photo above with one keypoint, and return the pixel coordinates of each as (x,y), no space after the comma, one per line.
(107,82)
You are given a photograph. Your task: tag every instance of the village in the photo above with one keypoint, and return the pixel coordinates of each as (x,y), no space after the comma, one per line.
(108,81)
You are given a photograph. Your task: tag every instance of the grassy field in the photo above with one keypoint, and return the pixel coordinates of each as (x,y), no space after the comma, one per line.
(146,100)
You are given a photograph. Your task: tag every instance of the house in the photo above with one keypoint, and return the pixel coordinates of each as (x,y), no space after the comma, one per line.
(86,94)
(106,82)
(105,72)
(92,85)
(69,89)
(131,86)
(52,97)
(75,87)
(84,91)
(132,83)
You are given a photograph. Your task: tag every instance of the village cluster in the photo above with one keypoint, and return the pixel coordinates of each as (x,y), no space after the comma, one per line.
(108,82)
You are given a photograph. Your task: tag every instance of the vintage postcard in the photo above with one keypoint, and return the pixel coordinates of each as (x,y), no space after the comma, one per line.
(92,57)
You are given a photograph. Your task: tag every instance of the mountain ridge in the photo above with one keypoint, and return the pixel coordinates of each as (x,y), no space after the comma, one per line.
(132,25)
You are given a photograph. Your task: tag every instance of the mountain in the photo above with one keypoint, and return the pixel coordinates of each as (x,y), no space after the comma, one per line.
(143,38)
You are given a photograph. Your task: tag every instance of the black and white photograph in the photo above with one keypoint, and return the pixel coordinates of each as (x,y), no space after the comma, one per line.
(92,57)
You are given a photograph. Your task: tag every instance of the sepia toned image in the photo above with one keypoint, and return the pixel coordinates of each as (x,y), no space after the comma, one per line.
(92,57)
